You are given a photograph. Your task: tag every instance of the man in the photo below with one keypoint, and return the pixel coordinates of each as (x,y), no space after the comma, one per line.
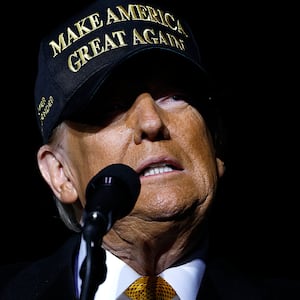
(122,82)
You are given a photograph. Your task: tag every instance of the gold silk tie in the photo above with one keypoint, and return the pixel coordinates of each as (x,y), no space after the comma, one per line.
(150,288)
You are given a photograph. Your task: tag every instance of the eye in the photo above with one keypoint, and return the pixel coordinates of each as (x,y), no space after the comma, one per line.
(173,100)
(179,97)
(101,114)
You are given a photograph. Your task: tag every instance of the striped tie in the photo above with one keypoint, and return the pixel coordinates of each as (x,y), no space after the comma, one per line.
(150,288)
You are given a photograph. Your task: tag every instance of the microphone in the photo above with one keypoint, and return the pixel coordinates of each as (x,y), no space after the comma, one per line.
(110,195)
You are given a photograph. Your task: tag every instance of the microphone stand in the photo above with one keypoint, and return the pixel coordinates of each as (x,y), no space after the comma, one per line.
(111,195)
(93,271)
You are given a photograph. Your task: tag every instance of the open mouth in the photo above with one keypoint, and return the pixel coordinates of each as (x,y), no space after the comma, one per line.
(159,168)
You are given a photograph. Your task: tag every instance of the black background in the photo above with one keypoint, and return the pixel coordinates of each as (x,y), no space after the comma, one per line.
(247,49)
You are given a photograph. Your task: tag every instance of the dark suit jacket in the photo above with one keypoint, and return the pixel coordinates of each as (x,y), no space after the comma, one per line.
(52,279)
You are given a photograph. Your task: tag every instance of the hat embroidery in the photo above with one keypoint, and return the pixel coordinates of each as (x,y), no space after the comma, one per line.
(118,38)
(44,108)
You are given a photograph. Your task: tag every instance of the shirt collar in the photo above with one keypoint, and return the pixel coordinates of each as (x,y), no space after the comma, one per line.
(185,278)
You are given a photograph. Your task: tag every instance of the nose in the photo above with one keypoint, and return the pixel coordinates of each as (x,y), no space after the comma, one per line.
(148,122)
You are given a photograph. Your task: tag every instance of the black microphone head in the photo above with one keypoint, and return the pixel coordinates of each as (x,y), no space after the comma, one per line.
(113,192)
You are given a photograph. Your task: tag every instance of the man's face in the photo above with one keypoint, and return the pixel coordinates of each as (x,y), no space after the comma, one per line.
(148,124)
(164,140)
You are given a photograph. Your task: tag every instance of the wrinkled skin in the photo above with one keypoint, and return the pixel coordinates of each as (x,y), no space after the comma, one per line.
(154,128)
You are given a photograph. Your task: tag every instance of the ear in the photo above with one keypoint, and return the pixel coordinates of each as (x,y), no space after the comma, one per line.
(220,167)
(54,174)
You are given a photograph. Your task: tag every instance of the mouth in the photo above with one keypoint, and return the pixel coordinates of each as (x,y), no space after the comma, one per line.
(158,168)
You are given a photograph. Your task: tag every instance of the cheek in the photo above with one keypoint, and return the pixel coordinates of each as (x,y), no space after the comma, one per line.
(199,154)
(194,136)
(89,154)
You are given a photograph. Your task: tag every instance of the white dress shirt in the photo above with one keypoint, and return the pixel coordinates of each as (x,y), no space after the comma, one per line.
(185,279)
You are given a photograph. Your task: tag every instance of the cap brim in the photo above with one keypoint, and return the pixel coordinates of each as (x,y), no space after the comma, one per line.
(80,101)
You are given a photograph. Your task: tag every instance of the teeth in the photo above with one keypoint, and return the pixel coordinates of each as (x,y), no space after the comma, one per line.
(157,170)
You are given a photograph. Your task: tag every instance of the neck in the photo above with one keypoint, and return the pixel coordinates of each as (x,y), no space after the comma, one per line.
(156,246)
